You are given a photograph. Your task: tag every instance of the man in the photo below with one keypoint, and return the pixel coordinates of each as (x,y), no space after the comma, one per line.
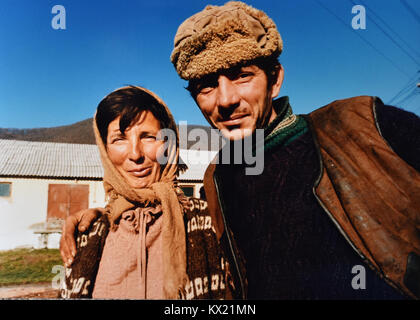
(336,212)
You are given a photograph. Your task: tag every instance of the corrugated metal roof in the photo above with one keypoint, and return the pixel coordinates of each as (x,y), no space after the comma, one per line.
(49,159)
(194,172)
(197,162)
(82,161)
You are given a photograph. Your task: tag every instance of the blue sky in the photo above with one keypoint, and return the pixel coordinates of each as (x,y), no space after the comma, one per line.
(54,77)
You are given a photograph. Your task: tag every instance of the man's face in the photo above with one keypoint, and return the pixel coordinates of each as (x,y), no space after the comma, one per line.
(238,101)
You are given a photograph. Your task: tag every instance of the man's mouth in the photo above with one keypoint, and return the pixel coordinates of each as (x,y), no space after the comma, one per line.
(234,119)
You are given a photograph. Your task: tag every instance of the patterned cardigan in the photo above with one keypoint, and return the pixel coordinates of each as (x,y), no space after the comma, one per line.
(207,269)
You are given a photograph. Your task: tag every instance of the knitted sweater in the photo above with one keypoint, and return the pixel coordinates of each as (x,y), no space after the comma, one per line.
(298,253)
(207,270)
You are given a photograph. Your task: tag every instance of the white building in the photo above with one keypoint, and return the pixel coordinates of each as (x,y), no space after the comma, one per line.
(41,183)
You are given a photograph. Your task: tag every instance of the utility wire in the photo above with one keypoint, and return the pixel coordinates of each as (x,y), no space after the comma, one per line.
(411,10)
(413,93)
(417,108)
(388,35)
(402,93)
(365,40)
(391,38)
(406,87)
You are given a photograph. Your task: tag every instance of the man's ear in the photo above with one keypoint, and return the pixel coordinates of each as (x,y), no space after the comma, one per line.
(278,81)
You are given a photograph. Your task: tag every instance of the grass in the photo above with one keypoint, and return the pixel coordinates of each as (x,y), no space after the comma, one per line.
(23,266)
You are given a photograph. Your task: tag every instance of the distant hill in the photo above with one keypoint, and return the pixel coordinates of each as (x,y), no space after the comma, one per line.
(79,132)
(82,132)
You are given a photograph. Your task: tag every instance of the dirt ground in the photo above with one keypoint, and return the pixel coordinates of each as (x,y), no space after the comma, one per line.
(29,291)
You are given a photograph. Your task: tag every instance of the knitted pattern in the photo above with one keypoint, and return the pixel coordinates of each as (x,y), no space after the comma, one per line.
(286,127)
(207,269)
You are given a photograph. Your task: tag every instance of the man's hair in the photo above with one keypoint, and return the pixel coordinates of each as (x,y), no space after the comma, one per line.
(128,102)
(270,65)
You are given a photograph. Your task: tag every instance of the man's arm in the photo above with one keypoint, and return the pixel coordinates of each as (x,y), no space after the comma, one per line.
(82,220)
(401,129)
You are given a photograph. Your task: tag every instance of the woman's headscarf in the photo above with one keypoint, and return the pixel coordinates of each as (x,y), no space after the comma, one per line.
(122,197)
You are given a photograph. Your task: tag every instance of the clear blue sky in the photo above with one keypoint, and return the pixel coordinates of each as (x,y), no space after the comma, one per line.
(56,77)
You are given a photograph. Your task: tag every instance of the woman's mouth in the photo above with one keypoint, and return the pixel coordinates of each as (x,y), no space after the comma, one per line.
(141,172)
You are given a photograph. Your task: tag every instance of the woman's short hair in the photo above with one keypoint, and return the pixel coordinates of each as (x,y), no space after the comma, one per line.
(128,102)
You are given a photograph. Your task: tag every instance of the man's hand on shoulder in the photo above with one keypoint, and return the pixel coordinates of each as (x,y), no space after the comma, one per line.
(82,221)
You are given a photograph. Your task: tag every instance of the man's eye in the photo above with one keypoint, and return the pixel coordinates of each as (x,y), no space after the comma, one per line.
(205,90)
(244,75)
(207,84)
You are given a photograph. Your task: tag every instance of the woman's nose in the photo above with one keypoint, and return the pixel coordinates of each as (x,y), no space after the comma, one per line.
(136,151)
(227,93)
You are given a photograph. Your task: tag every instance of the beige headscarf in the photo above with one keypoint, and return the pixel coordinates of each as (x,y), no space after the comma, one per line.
(122,197)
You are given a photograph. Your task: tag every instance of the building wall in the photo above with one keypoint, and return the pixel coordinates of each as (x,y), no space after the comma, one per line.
(27,205)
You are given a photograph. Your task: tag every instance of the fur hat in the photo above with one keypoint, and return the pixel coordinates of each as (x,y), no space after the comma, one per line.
(220,37)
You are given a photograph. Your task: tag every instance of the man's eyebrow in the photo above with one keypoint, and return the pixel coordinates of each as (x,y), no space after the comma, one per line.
(205,81)
(236,70)
(208,78)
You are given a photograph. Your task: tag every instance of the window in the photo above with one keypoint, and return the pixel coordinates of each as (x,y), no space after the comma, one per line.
(5,189)
(188,190)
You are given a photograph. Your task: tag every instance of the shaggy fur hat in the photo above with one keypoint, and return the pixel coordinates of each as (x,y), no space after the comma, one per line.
(220,37)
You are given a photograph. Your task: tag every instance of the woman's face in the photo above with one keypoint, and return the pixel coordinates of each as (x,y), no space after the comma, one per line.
(135,152)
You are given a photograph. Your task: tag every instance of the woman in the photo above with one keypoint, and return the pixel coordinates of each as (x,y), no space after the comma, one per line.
(145,246)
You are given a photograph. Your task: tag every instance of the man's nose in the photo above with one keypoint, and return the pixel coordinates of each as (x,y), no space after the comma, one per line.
(136,153)
(227,93)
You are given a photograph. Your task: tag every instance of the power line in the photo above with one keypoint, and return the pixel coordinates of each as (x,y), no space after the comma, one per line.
(401,93)
(404,102)
(410,95)
(365,40)
(416,108)
(411,10)
(389,28)
(392,39)
(406,87)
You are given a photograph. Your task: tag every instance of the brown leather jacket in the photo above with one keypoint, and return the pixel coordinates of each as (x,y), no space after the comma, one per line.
(371,194)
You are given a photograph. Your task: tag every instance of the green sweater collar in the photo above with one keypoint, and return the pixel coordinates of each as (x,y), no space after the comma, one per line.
(286,127)
(283,110)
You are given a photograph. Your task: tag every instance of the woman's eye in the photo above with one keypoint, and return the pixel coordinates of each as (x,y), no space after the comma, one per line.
(117,139)
(150,138)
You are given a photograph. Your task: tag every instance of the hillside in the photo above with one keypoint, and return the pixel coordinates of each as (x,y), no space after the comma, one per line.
(81,132)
